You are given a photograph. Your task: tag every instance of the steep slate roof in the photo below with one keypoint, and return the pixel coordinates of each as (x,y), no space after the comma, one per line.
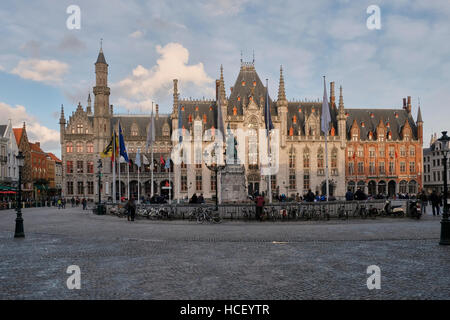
(101,57)
(306,110)
(2,129)
(142,121)
(386,115)
(249,75)
(205,107)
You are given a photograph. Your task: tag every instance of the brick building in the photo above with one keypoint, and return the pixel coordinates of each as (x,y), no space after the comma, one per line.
(384,150)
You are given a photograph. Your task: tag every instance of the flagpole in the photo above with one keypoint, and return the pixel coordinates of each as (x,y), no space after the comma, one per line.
(114,180)
(170,186)
(326,152)
(128,181)
(151,172)
(269,184)
(138,184)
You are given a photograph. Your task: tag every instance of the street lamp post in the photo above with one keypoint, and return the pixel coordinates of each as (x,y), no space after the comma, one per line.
(19,232)
(445,223)
(99,205)
(214,166)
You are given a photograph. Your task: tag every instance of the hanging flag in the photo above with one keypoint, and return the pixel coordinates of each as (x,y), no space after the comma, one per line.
(151,131)
(122,149)
(326,118)
(137,161)
(267,116)
(161,160)
(180,124)
(167,166)
(145,160)
(107,152)
(220,127)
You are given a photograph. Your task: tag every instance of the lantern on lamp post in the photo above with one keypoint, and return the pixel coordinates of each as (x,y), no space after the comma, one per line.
(445,223)
(19,232)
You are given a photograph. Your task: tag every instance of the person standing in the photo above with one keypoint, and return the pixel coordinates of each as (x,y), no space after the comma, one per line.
(259,207)
(423,202)
(349,195)
(131,208)
(434,198)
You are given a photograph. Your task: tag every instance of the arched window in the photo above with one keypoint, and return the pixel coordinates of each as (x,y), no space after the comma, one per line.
(69,147)
(402,186)
(90,147)
(412,187)
(79,147)
(292,158)
(334,158)
(402,151)
(134,130)
(306,163)
(320,162)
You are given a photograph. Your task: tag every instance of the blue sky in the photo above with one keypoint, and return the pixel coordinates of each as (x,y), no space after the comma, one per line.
(148,43)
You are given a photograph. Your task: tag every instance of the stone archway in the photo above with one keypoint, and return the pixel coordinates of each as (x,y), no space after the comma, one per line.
(391,188)
(372,188)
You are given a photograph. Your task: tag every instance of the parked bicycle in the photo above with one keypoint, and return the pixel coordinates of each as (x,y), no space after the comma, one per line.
(207,215)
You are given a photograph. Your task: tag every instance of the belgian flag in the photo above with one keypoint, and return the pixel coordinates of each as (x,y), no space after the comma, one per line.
(112,149)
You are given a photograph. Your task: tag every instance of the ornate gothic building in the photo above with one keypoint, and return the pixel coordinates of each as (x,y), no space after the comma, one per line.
(301,147)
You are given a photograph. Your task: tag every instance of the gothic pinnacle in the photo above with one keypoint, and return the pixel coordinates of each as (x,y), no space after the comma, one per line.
(281,90)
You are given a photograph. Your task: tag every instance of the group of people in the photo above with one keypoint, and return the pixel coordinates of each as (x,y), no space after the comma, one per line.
(195,199)
(436,200)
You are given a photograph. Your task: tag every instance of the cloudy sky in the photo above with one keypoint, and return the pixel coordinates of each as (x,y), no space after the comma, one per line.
(43,64)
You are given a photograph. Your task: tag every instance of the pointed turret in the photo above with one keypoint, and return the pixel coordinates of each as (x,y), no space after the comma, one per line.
(281,90)
(101,56)
(222,94)
(62,119)
(175,98)
(89,106)
(419,116)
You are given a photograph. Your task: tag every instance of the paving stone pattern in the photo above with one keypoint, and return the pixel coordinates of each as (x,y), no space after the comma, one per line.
(232,260)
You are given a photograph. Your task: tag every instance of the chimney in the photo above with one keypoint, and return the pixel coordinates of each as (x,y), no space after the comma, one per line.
(217,89)
(332,96)
(404,103)
(38,144)
(408,106)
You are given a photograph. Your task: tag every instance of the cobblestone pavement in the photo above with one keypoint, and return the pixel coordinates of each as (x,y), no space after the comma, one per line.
(232,260)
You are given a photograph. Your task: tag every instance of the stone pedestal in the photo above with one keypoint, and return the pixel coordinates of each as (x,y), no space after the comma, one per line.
(233,184)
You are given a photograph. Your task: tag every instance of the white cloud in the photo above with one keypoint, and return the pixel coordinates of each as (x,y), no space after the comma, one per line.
(137,34)
(48,138)
(48,71)
(143,85)
(2,68)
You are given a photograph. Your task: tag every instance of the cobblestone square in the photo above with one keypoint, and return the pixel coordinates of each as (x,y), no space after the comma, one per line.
(232,260)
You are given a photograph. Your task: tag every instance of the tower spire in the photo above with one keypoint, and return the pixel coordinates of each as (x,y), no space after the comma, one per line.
(281,90)
(222,94)
(62,119)
(341,99)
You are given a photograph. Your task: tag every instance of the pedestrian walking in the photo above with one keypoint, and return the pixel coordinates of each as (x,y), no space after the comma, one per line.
(131,209)
(59,204)
(84,202)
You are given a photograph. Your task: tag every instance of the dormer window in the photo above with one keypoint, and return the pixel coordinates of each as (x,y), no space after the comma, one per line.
(234,110)
(134,130)
(294,119)
(79,128)
(239,98)
(243,83)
